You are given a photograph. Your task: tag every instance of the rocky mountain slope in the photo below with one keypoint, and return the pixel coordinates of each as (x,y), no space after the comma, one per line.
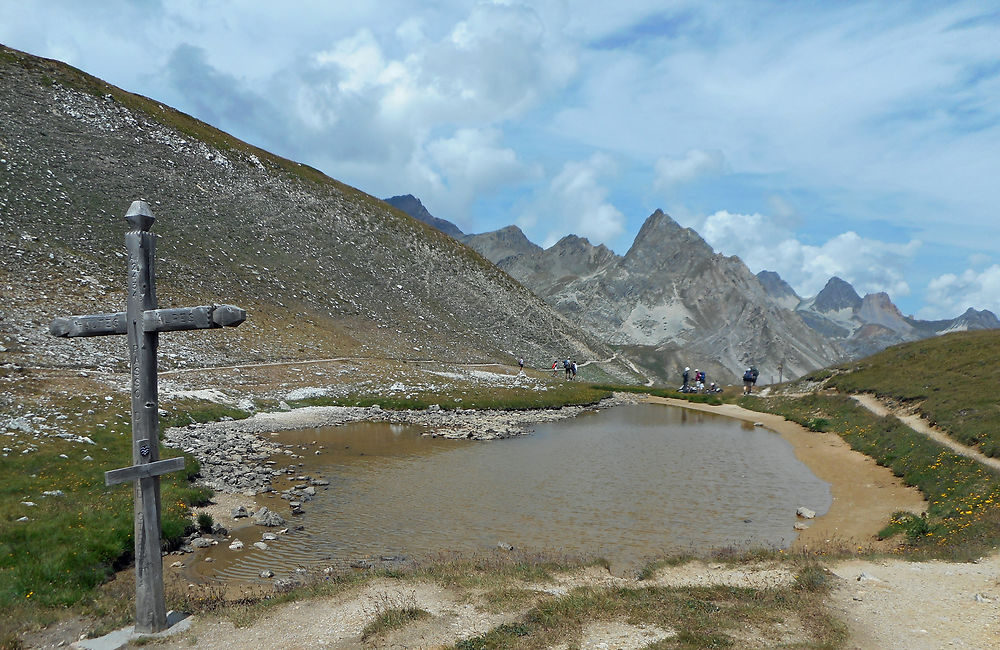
(863,326)
(323,269)
(670,301)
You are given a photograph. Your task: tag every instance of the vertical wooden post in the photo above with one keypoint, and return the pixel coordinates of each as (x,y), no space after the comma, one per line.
(150,605)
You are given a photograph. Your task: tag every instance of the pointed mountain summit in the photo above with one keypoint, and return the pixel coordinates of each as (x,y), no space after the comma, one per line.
(662,241)
(779,290)
(501,244)
(412,206)
(836,296)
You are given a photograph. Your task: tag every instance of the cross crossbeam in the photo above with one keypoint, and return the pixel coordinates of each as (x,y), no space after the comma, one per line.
(142,323)
(155,320)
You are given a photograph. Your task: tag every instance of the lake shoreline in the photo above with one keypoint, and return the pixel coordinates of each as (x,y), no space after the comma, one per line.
(865,495)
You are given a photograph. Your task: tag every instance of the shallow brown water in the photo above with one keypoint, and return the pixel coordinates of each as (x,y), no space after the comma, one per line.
(627,484)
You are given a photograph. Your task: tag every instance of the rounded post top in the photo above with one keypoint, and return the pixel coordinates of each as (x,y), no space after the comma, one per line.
(140,216)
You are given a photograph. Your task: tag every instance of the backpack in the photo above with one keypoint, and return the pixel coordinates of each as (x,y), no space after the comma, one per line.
(748,376)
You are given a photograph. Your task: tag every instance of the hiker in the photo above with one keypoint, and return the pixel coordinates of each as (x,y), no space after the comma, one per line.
(699,385)
(554,371)
(566,367)
(685,377)
(572,367)
(753,371)
(520,363)
(747,381)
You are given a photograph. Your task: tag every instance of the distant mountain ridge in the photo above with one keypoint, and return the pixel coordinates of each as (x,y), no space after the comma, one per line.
(671,301)
(866,325)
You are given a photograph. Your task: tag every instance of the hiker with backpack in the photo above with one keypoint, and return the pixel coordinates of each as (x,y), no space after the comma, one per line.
(748,381)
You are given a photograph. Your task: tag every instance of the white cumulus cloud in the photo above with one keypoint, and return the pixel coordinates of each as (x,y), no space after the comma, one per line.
(761,242)
(576,201)
(695,164)
(949,295)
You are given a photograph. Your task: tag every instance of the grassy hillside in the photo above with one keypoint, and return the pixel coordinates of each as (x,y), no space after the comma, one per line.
(953,379)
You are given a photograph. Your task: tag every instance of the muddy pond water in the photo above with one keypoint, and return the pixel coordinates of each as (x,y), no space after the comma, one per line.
(627,484)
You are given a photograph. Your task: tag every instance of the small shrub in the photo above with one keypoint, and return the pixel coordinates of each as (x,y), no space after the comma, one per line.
(205,522)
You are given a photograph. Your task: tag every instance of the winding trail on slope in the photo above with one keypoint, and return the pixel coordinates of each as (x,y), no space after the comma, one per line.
(918,424)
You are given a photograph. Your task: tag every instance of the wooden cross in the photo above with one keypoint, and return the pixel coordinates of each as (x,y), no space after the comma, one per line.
(142,322)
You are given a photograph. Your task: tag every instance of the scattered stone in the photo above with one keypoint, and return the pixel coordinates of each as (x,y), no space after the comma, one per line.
(267,573)
(867,577)
(240,512)
(23,519)
(434,408)
(283,405)
(30,504)
(265,517)
(177,565)
(53,493)
(805,513)
(88,458)
(504,546)
(980,598)
(261,546)
(800,526)
(270,537)
(203,542)
(236,545)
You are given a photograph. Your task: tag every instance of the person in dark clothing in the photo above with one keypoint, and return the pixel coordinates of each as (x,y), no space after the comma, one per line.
(685,376)
(748,381)
(753,371)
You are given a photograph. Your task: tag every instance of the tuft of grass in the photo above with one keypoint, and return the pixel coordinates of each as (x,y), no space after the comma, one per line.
(391,611)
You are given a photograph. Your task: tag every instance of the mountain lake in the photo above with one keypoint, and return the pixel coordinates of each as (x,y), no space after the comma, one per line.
(627,484)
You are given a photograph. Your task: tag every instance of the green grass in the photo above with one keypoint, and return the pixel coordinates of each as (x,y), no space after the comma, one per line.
(954,378)
(963,514)
(75,541)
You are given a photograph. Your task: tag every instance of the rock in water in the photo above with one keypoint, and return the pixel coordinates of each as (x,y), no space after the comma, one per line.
(265,517)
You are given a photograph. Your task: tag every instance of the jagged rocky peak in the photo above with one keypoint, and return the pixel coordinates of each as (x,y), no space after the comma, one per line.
(976,319)
(662,238)
(412,206)
(878,308)
(500,244)
(779,290)
(837,295)
(573,245)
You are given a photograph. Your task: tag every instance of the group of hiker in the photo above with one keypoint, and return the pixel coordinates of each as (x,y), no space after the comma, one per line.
(699,382)
(568,366)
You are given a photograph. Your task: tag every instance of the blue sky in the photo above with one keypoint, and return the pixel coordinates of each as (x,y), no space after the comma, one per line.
(813,139)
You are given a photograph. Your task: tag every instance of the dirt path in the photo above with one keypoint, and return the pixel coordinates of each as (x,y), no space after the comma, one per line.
(920,425)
